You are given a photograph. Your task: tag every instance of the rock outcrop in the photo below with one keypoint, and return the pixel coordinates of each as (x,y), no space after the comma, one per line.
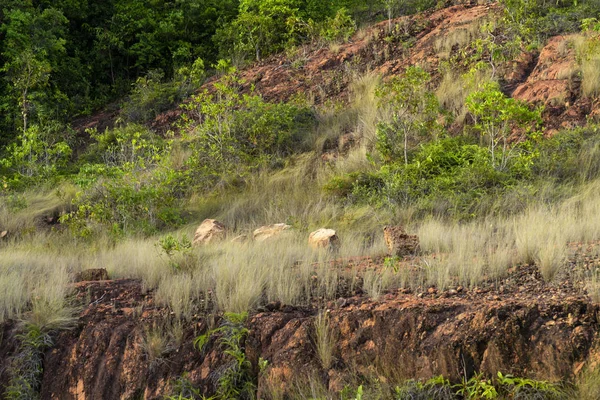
(269,231)
(399,242)
(324,239)
(209,231)
(546,335)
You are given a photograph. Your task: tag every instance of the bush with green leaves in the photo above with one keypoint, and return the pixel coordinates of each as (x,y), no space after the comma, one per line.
(536,21)
(38,155)
(129,186)
(26,367)
(339,28)
(414,114)
(497,118)
(152,95)
(450,175)
(231,134)
(237,381)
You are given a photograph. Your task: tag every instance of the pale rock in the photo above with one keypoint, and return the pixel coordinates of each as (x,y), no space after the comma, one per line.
(324,238)
(210,230)
(269,231)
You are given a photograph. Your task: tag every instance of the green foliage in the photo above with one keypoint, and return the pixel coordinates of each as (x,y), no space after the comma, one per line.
(338,28)
(523,388)
(37,155)
(129,185)
(232,134)
(476,388)
(436,179)
(415,112)
(237,381)
(32,47)
(178,251)
(26,367)
(497,117)
(151,96)
(436,388)
(535,21)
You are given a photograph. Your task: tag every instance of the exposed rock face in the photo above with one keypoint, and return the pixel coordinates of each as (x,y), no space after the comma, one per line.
(210,230)
(399,242)
(94,274)
(324,238)
(546,336)
(269,231)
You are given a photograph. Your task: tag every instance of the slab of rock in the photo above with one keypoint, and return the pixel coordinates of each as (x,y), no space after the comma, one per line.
(399,242)
(210,230)
(324,239)
(93,274)
(269,231)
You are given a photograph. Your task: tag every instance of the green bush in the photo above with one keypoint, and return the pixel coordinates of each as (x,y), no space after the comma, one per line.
(37,156)
(451,175)
(231,134)
(414,114)
(151,95)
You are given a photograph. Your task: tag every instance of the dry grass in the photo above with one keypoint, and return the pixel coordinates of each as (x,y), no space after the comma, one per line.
(38,282)
(324,340)
(457,39)
(454,89)
(590,71)
(23,213)
(156,343)
(587,384)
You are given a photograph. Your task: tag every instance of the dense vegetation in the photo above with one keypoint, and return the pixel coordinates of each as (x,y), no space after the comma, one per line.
(449,155)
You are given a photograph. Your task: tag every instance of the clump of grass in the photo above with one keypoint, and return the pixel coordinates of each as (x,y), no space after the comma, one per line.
(587,384)
(324,339)
(157,342)
(550,258)
(590,71)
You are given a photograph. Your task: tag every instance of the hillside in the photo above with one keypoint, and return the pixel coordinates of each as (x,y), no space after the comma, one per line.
(359,207)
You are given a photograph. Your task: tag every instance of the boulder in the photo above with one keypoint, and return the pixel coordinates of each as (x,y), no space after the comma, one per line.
(399,242)
(3,234)
(210,230)
(269,231)
(93,274)
(324,238)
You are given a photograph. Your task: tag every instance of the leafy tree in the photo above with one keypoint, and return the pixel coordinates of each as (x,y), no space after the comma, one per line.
(497,117)
(414,113)
(34,40)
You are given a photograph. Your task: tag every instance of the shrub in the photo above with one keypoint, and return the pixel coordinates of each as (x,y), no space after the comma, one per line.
(414,114)
(439,172)
(231,134)
(496,117)
(37,155)
(151,95)
(237,381)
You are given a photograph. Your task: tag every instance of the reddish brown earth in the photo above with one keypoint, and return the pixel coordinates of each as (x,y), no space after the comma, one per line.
(518,325)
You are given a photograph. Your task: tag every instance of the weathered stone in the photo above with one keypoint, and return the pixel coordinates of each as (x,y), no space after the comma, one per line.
(92,274)
(324,238)
(399,242)
(210,230)
(3,234)
(269,231)
(240,239)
